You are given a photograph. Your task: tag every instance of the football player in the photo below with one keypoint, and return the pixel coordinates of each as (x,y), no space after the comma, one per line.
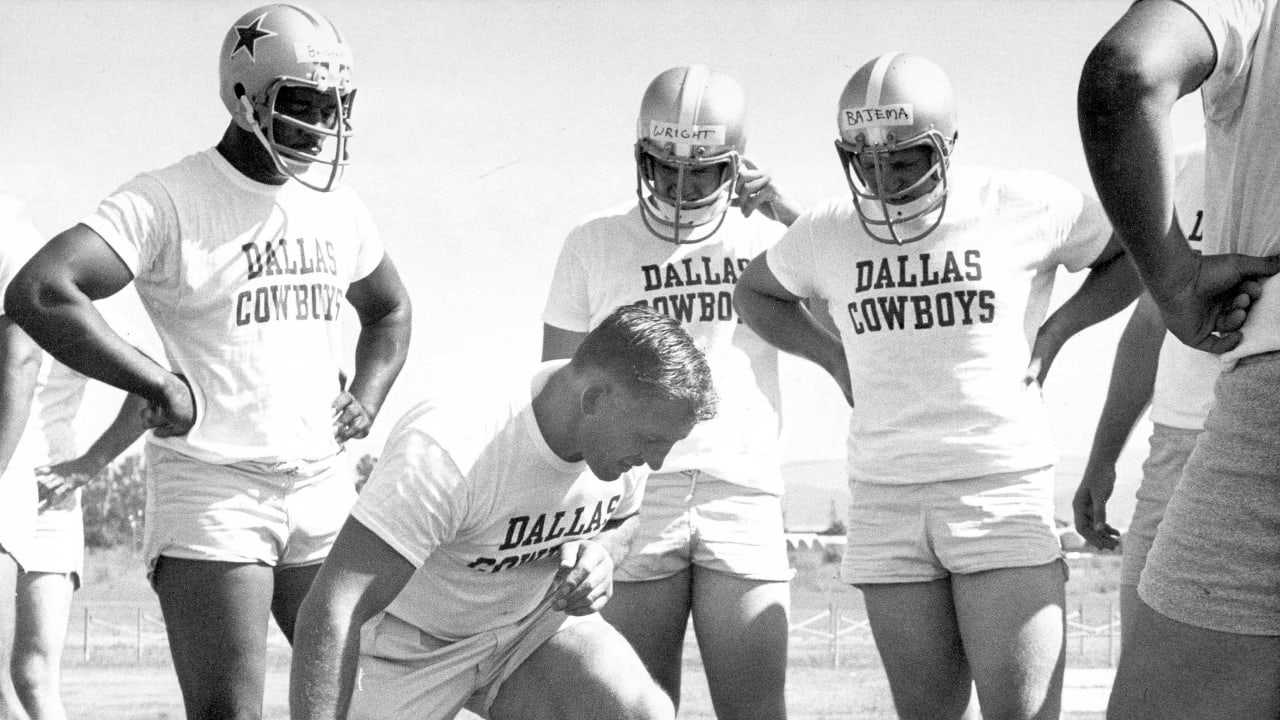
(473,567)
(242,255)
(937,277)
(711,543)
(19,368)
(1204,640)
(54,568)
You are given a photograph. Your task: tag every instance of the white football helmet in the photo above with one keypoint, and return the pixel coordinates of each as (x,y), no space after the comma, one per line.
(278,47)
(895,102)
(692,121)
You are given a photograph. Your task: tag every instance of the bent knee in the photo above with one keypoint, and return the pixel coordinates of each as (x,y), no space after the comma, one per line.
(640,701)
(649,702)
(32,673)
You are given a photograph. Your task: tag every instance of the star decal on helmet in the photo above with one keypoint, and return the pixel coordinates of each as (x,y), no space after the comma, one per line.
(248,35)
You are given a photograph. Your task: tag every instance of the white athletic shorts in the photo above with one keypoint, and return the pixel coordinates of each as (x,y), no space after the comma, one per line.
(59,540)
(693,518)
(406,674)
(928,531)
(1170,448)
(278,514)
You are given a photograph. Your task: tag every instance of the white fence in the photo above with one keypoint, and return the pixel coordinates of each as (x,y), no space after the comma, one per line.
(1089,644)
(117,631)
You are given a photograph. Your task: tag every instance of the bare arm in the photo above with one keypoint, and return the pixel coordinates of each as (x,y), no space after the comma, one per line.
(1156,53)
(781,318)
(52,299)
(57,480)
(1133,377)
(820,310)
(386,317)
(359,578)
(20,365)
(1111,285)
(756,190)
(558,343)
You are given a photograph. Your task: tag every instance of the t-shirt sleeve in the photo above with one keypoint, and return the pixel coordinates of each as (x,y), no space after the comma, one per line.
(136,221)
(791,258)
(568,306)
(18,240)
(415,499)
(1233,25)
(1079,228)
(1088,236)
(371,248)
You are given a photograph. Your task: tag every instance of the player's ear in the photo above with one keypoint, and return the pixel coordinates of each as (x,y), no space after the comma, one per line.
(594,397)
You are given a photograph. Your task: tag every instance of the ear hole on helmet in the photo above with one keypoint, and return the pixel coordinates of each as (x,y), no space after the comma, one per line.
(250,114)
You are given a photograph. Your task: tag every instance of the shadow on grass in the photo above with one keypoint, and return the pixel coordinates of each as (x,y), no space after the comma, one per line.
(121,683)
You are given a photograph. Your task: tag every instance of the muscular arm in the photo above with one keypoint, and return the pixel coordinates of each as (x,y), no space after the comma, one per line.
(756,190)
(1133,376)
(61,478)
(20,365)
(1111,285)
(119,435)
(360,577)
(386,315)
(781,318)
(52,297)
(559,343)
(1156,53)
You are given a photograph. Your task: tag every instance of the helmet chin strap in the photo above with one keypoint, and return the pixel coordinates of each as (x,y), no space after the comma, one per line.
(900,232)
(250,118)
(915,219)
(681,228)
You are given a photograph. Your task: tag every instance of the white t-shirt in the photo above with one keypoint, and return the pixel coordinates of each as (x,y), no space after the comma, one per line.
(245,285)
(19,240)
(1242,170)
(938,332)
(485,541)
(612,259)
(1185,376)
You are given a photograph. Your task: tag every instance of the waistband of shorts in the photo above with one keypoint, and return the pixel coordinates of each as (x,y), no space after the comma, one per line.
(290,467)
(1263,357)
(696,476)
(1168,430)
(1031,474)
(300,467)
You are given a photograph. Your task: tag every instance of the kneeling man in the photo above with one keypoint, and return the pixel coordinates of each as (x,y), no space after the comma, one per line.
(471,569)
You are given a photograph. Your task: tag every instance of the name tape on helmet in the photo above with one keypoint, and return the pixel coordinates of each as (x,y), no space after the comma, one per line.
(322,53)
(899,115)
(687,134)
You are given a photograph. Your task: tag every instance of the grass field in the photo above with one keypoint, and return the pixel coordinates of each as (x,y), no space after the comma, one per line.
(127,675)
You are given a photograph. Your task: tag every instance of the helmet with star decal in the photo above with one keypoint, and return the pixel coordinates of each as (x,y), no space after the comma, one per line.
(285,75)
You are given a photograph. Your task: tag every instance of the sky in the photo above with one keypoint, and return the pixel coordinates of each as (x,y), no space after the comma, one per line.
(487,129)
